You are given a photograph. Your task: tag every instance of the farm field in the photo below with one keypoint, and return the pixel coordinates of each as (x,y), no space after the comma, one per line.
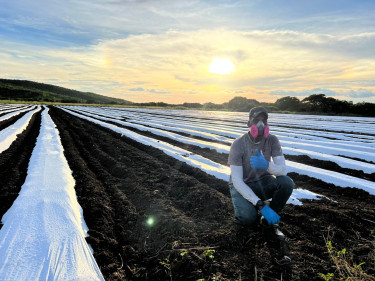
(152,185)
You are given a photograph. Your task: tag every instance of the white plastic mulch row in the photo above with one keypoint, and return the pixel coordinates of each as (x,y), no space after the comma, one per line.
(13,112)
(221,148)
(332,123)
(348,128)
(325,175)
(9,134)
(335,178)
(206,165)
(43,236)
(290,139)
(8,106)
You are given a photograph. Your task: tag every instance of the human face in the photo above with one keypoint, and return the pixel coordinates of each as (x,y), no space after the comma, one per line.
(261,117)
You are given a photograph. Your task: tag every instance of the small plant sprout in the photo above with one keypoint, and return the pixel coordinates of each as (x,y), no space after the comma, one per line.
(209,253)
(327,276)
(184,253)
(167,266)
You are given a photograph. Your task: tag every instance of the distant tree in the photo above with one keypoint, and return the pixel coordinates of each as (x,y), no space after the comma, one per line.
(192,105)
(288,103)
(271,108)
(315,102)
(213,106)
(364,109)
(342,106)
(329,105)
(242,104)
(162,104)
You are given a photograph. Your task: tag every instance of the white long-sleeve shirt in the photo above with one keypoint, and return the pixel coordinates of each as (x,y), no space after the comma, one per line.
(276,167)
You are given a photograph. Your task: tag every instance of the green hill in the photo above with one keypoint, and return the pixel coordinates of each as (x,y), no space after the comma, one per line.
(23,90)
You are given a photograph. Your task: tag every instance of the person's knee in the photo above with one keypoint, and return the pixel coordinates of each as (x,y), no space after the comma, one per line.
(245,218)
(286,184)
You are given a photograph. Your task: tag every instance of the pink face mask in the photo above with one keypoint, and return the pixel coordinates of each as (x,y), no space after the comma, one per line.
(259,130)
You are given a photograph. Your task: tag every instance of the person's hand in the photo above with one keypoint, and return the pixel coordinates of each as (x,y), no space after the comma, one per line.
(270,215)
(258,161)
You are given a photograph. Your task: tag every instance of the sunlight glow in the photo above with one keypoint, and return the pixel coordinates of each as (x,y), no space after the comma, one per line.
(221,66)
(150,221)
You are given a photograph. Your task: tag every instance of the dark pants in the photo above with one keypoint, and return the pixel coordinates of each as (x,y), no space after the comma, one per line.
(278,189)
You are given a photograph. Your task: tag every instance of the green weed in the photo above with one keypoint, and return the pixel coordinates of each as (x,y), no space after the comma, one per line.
(345,267)
(209,253)
(167,266)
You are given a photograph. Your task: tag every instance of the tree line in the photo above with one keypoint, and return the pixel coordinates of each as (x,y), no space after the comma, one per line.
(313,104)
(23,90)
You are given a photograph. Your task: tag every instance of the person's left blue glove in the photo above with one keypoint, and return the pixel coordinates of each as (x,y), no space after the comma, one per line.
(270,215)
(258,161)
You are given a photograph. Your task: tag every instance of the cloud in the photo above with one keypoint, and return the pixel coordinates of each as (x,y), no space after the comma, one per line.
(108,19)
(173,63)
(361,93)
(158,91)
(302,93)
(82,22)
(154,91)
(137,89)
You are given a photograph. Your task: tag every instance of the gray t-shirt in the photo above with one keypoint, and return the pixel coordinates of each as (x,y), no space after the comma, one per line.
(243,148)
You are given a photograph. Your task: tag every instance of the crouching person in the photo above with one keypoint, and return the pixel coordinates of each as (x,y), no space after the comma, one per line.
(254,177)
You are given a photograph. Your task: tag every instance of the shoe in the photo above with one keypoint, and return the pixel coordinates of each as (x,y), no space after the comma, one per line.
(279,235)
(272,231)
(274,235)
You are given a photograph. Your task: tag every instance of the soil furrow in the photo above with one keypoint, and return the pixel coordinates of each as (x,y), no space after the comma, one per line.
(14,162)
(222,158)
(140,177)
(194,119)
(4,113)
(331,166)
(235,123)
(181,167)
(151,185)
(135,169)
(106,165)
(11,121)
(107,212)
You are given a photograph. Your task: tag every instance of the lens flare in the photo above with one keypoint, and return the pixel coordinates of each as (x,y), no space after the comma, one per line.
(150,221)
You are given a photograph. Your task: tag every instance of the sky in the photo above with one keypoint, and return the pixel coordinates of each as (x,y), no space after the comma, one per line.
(161,51)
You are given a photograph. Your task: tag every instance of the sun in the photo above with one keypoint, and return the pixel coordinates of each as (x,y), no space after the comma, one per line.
(221,66)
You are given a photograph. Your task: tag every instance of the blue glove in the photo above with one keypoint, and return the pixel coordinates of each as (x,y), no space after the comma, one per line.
(270,215)
(258,161)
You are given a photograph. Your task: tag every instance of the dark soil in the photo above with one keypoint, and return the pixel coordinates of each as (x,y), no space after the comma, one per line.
(222,158)
(14,162)
(121,184)
(10,121)
(16,109)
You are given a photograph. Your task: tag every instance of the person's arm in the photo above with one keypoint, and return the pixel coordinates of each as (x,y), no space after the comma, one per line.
(277,167)
(241,186)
